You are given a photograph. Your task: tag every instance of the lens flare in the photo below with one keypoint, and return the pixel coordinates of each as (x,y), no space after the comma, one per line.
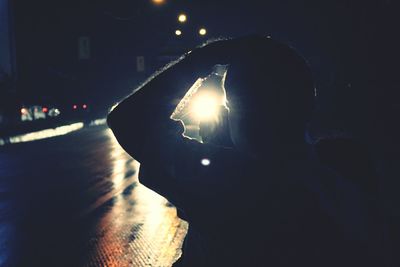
(205,107)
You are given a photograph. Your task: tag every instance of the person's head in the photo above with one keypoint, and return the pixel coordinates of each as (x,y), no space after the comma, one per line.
(270,94)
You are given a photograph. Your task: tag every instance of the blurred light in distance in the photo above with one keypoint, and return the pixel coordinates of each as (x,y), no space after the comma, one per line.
(178,32)
(205,162)
(54,112)
(182,18)
(74,106)
(84,106)
(24,111)
(45,109)
(202,31)
(98,122)
(158,2)
(205,106)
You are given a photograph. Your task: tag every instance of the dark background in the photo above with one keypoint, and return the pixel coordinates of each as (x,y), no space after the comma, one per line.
(338,38)
(351,46)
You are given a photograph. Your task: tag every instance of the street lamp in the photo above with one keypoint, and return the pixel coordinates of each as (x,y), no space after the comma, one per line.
(182,18)
(178,32)
(202,31)
(158,2)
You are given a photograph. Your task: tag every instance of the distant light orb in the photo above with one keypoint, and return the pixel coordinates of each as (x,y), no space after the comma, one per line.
(202,31)
(205,162)
(178,32)
(158,2)
(182,18)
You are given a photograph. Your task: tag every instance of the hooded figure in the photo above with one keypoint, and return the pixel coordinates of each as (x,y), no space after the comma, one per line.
(257,201)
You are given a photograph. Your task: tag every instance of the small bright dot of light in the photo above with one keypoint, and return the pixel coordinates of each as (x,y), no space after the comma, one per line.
(178,32)
(84,106)
(205,162)
(202,31)
(74,106)
(182,18)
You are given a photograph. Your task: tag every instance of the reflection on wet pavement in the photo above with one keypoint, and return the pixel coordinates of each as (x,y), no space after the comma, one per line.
(75,200)
(140,228)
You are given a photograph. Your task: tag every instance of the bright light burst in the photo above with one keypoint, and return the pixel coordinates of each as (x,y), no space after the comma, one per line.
(205,106)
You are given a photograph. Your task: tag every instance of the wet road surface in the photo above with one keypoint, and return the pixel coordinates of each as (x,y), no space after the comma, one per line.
(75,200)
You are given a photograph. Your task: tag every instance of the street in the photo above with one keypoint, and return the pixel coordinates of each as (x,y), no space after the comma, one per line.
(75,200)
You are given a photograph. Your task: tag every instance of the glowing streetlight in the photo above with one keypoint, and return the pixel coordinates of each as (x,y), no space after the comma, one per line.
(202,31)
(178,32)
(182,18)
(158,2)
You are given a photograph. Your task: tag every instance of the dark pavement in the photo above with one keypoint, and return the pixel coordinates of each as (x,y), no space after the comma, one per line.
(75,200)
